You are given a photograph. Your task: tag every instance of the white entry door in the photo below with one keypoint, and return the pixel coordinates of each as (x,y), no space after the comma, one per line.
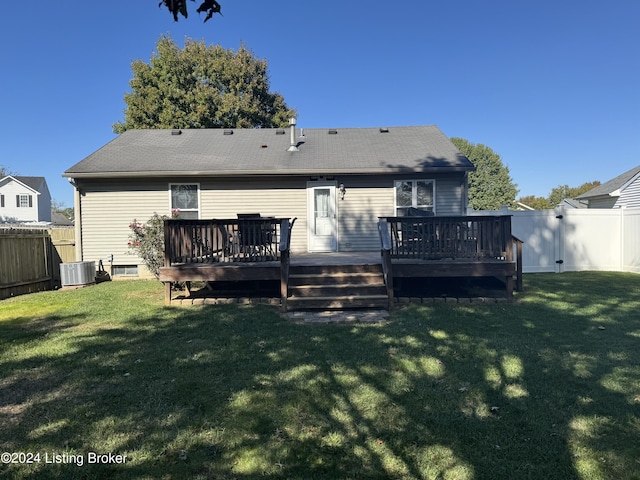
(321,202)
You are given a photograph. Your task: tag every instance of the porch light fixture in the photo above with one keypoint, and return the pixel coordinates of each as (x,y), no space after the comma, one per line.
(342,191)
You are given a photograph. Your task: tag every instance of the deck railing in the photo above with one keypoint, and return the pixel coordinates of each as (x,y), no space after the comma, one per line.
(459,237)
(223,241)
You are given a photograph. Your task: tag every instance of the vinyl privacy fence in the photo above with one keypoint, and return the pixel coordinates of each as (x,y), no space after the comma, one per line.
(30,258)
(562,239)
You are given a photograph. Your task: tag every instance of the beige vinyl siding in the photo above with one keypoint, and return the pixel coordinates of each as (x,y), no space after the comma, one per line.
(450,195)
(367,198)
(107,211)
(281,198)
(364,201)
(108,207)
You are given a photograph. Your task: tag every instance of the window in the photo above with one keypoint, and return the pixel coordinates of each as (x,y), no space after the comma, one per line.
(185,199)
(414,193)
(125,270)
(24,201)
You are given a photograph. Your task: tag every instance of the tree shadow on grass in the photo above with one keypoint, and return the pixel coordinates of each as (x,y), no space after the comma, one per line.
(531,389)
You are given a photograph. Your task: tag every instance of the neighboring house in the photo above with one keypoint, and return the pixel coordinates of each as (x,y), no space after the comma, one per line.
(24,199)
(60,220)
(337,182)
(573,203)
(620,192)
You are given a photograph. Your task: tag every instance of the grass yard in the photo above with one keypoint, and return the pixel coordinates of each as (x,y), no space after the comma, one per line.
(547,387)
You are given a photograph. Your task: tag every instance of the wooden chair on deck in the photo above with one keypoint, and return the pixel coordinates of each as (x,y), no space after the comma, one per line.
(255,236)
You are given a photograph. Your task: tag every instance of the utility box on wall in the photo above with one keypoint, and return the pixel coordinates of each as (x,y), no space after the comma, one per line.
(77,273)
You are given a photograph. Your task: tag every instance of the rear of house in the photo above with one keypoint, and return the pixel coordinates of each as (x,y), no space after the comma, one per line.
(336,182)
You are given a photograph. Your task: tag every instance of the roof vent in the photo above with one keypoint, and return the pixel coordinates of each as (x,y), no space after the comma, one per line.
(280,131)
(176,131)
(333,132)
(228,132)
(384,130)
(293,147)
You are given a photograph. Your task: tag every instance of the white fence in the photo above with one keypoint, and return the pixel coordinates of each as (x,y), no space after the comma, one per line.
(577,239)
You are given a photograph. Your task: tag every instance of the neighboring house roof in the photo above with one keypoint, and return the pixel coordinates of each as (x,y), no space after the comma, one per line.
(33,183)
(58,219)
(265,152)
(573,203)
(613,187)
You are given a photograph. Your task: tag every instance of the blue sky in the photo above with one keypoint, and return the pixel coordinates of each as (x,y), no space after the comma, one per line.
(551,86)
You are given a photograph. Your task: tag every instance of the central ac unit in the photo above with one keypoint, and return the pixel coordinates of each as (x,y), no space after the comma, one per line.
(77,273)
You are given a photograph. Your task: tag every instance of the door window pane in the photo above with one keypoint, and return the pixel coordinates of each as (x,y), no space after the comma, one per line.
(321,200)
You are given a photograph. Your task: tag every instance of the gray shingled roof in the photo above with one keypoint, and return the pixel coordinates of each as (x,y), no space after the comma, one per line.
(612,185)
(264,152)
(31,182)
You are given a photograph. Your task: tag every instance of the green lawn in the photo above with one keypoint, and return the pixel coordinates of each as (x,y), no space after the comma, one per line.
(546,387)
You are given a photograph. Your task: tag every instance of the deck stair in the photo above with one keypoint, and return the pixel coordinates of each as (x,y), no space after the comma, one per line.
(314,287)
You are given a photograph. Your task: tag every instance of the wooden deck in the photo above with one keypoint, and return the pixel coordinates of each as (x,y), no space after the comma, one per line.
(210,251)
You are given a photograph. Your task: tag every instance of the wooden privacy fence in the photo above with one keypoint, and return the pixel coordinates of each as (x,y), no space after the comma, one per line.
(30,258)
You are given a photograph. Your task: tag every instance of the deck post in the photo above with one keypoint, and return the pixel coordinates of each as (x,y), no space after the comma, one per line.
(385,252)
(509,283)
(518,263)
(167,294)
(285,260)
(284,279)
(167,261)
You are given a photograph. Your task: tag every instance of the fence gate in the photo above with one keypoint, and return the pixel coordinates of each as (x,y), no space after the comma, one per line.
(577,239)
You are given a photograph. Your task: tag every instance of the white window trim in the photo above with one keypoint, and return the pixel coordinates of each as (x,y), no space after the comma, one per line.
(24,200)
(198,195)
(414,193)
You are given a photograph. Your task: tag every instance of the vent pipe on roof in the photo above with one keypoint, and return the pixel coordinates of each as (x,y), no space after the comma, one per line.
(293,147)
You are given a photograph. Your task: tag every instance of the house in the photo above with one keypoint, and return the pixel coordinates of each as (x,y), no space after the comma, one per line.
(24,199)
(573,203)
(622,191)
(336,182)
(59,219)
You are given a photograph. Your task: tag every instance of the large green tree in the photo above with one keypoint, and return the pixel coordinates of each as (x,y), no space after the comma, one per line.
(490,185)
(201,86)
(557,195)
(537,203)
(561,192)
